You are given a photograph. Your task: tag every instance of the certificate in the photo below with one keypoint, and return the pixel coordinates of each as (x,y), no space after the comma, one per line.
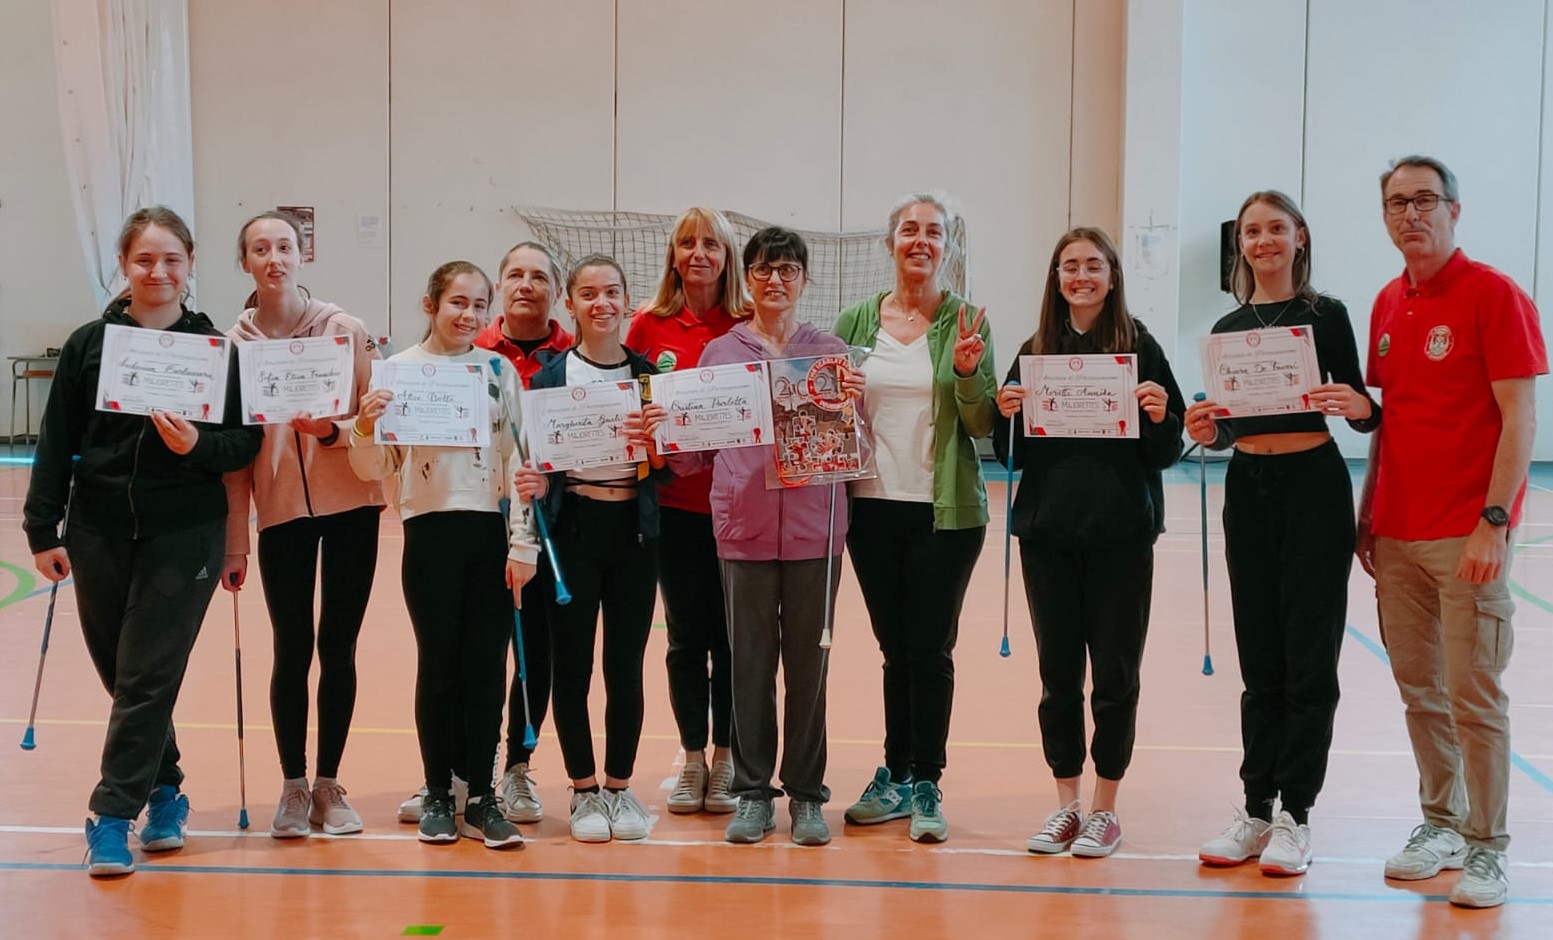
(581,426)
(712,407)
(157,370)
(1261,372)
(1080,396)
(819,435)
(438,404)
(282,378)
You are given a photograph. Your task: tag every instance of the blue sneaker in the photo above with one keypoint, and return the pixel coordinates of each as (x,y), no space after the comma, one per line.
(882,801)
(107,847)
(167,819)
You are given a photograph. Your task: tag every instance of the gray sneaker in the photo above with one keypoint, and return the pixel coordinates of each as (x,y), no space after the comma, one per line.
(689,793)
(808,823)
(1482,882)
(1429,851)
(755,817)
(291,815)
(519,802)
(719,789)
(882,801)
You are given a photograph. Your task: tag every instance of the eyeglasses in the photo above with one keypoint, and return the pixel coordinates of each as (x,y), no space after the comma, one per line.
(1423,202)
(787,271)
(1092,268)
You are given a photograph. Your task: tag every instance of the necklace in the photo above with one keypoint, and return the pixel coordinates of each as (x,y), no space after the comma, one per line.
(1268,324)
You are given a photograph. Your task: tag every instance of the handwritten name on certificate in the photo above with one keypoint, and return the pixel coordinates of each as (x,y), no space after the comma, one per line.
(580,426)
(282,378)
(157,370)
(1080,396)
(1261,372)
(712,407)
(436,404)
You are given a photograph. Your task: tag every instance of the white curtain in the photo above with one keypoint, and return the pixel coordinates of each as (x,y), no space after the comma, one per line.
(123,80)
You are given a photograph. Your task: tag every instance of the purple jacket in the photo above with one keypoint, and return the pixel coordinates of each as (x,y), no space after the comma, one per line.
(751,522)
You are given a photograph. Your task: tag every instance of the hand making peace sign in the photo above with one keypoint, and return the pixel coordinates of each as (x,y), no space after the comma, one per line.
(969,347)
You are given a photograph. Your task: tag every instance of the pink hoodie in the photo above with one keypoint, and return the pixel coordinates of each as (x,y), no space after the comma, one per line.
(295,475)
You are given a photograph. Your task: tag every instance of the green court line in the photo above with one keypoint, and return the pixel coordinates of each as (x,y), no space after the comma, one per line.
(422,930)
(24,583)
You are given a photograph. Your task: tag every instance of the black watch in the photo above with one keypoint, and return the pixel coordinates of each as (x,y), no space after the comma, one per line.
(1496,516)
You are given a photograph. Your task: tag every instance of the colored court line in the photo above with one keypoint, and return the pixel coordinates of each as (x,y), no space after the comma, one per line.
(1516,760)
(24,583)
(1393,897)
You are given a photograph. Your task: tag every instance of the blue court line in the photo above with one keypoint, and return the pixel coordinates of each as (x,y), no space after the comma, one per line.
(1516,760)
(1396,896)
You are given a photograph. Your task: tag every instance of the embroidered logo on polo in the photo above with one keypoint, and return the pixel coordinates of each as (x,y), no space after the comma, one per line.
(1440,343)
(1384,346)
(666,361)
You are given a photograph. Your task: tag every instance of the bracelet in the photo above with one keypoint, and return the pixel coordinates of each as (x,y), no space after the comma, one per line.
(331,437)
(357,431)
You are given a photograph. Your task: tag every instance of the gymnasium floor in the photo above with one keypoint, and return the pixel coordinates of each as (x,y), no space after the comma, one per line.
(684,881)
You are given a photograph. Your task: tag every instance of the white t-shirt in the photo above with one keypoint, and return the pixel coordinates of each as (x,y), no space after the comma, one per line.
(899,409)
(579,371)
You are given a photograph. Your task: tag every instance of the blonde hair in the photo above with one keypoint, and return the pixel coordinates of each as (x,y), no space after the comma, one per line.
(670,298)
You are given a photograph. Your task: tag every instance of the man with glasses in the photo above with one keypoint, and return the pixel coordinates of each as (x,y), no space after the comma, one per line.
(1455,347)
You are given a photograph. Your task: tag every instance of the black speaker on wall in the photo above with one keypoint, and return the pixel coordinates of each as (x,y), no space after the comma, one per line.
(1226,253)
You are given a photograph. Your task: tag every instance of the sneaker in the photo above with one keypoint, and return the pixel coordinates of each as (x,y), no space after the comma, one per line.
(719,790)
(331,812)
(927,813)
(167,820)
(590,817)
(689,793)
(483,819)
(437,823)
(410,809)
(627,816)
(882,801)
(1101,834)
(755,817)
(291,815)
(1288,848)
(1245,837)
(1482,882)
(809,826)
(1429,851)
(107,847)
(1058,833)
(520,803)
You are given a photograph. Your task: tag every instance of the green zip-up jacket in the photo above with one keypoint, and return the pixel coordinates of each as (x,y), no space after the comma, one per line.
(963,408)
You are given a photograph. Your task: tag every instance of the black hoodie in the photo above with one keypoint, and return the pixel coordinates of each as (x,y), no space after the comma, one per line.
(127,482)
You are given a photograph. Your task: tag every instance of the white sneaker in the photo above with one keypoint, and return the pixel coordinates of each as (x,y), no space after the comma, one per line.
(1245,837)
(689,793)
(1288,847)
(627,816)
(1482,882)
(331,811)
(291,815)
(1429,851)
(719,790)
(520,804)
(410,809)
(590,817)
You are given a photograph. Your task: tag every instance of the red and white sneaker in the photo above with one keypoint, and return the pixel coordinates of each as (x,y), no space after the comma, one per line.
(1061,828)
(1288,848)
(1101,834)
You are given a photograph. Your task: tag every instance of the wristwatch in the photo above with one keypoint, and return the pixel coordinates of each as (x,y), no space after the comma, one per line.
(1496,516)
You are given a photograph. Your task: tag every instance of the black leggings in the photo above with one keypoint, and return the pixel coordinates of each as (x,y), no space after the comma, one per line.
(608,567)
(698,630)
(913,579)
(288,566)
(1288,541)
(454,575)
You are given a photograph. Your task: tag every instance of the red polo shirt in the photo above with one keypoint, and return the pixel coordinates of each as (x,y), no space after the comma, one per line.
(1434,349)
(671,343)
(495,340)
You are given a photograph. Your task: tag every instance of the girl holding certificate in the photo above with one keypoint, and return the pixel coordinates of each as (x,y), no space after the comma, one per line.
(700,297)
(1288,541)
(144,537)
(772,546)
(310,505)
(918,528)
(604,522)
(1087,515)
(465,563)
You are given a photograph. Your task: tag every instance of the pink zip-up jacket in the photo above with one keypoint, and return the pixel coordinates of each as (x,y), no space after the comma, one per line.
(295,474)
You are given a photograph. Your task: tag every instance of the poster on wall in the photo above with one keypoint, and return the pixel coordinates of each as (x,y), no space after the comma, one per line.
(304,217)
